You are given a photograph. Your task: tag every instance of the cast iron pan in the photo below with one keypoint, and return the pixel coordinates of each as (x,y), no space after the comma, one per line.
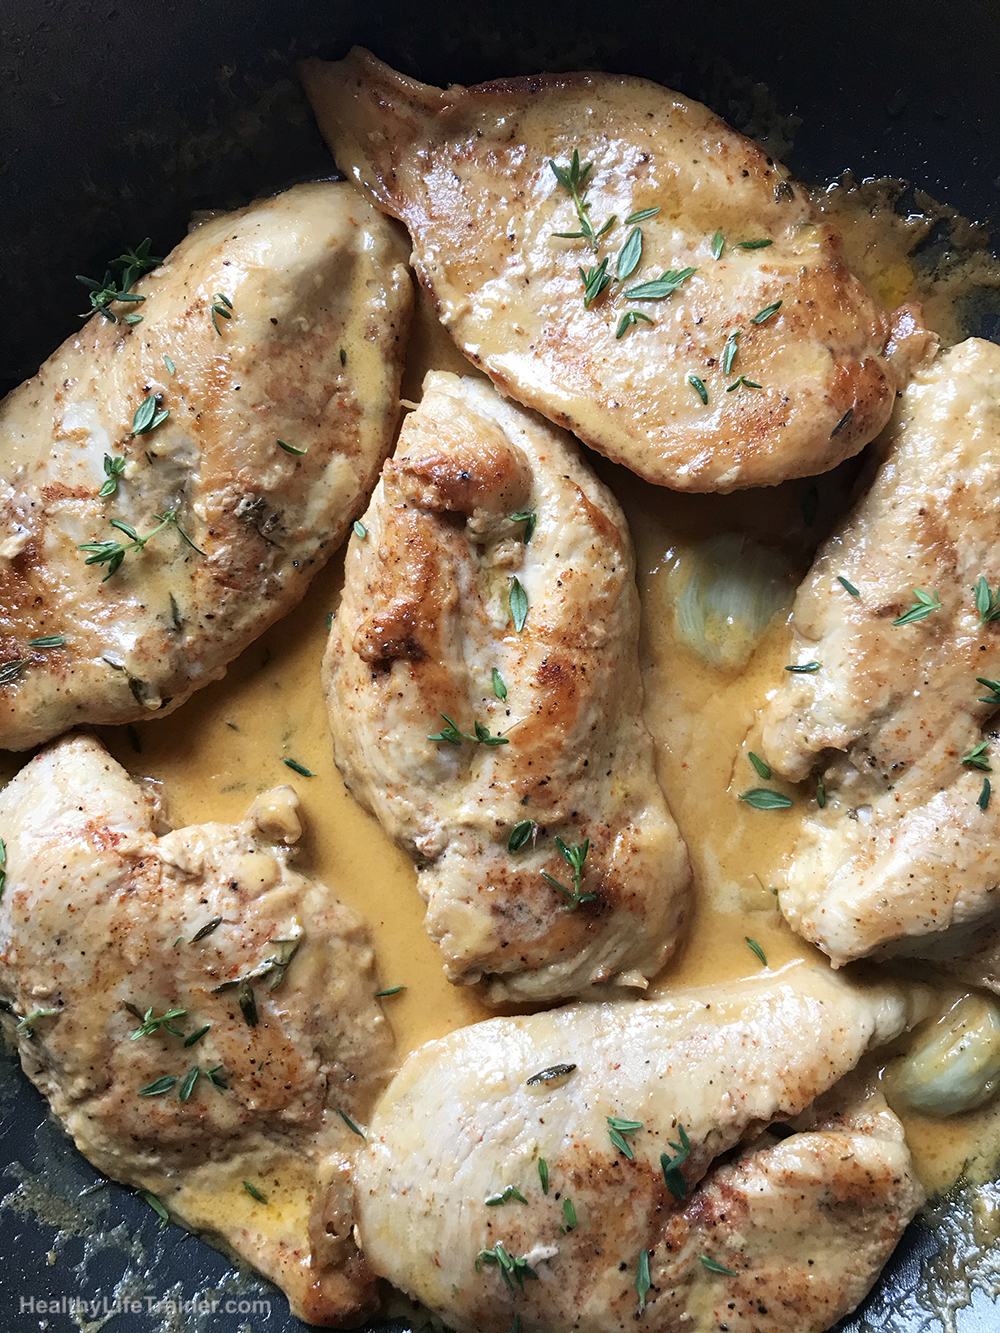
(118,122)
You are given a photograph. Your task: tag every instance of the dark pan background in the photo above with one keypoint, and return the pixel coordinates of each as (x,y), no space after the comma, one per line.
(119,119)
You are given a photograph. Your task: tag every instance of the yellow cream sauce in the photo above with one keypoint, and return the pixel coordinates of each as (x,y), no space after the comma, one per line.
(230,741)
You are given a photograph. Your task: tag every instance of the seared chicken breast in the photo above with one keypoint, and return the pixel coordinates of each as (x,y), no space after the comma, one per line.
(200,1016)
(555,1172)
(898,625)
(484,697)
(618,258)
(237,429)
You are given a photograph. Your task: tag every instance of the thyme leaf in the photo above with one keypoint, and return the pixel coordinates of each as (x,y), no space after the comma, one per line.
(520,834)
(552,1074)
(204,931)
(26,1026)
(729,352)
(762,316)
(360,531)
(518,603)
(984,795)
(617,1129)
(543,1174)
(629,255)
(671,1167)
(350,1123)
(254,1192)
(699,388)
(187,1084)
(755,947)
(804,668)
(924,603)
(718,245)
(152,1023)
(454,736)
(11,670)
(113,469)
(848,586)
(763,798)
(296,767)
(158,1087)
(148,415)
(992,685)
(506,1194)
(390,990)
(987,603)
(222,308)
(753,245)
(530,519)
(595,280)
(290,448)
(629,319)
(641,216)
(711,1264)
(48,641)
(499,688)
(976,758)
(763,768)
(642,1282)
(659,288)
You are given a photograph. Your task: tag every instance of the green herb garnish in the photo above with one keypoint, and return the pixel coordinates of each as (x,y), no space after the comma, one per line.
(254,1192)
(595,280)
(48,641)
(221,307)
(711,1264)
(763,768)
(113,469)
(743,382)
(506,1194)
(158,1087)
(671,1167)
(804,668)
(617,1129)
(11,670)
(529,518)
(151,1023)
(994,686)
(550,1074)
(247,1001)
(987,603)
(520,834)
(718,245)
(148,415)
(454,736)
(628,320)
(113,553)
(842,422)
(923,605)
(665,285)
(755,947)
(984,795)
(518,602)
(753,245)
(350,1123)
(196,1036)
(574,857)
(26,1027)
(641,216)
(168,362)
(848,586)
(156,1206)
(511,1270)
(976,758)
(296,767)
(290,448)
(390,990)
(629,255)
(499,688)
(204,931)
(642,1282)
(543,1174)
(360,531)
(573,178)
(820,792)
(569,1213)
(763,798)
(216,1079)
(729,351)
(699,388)
(3,866)
(187,1084)
(762,316)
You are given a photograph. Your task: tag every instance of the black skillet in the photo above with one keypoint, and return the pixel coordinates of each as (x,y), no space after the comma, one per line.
(120,119)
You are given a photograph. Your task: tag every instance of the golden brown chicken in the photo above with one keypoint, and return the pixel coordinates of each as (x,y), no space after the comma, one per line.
(200,1016)
(618,258)
(169,487)
(484,696)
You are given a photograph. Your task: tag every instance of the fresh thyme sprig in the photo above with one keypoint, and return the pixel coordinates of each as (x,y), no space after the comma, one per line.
(987,603)
(222,308)
(595,279)
(923,605)
(976,758)
(511,1269)
(505,1195)
(113,553)
(454,736)
(574,856)
(574,178)
(26,1027)
(113,469)
(665,285)
(617,1129)
(151,1022)
(132,265)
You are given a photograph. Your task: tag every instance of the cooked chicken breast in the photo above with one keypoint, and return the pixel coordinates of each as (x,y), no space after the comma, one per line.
(281,323)
(197,1013)
(787,345)
(905,858)
(484,696)
(516,1172)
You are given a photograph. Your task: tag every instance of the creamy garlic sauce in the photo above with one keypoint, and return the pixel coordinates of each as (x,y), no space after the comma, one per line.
(230,741)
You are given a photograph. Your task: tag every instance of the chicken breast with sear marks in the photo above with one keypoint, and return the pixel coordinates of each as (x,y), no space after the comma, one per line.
(698,323)
(899,618)
(237,428)
(559,1172)
(197,1013)
(484,696)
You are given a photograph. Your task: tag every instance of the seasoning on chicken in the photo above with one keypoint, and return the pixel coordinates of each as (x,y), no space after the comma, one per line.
(618,258)
(200,1016)
(561,1171)
(484,695)
(169,487)
(900,613)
